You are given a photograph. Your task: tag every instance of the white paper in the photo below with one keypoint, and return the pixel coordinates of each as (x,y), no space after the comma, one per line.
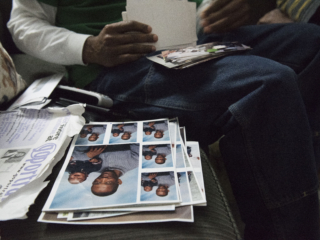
(37,92)
(173,21)
(31,143)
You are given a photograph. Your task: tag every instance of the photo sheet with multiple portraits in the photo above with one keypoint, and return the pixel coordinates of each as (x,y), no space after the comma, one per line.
(121,170)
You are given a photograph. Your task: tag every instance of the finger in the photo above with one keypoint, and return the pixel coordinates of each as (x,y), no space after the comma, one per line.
(120,39)
(227,23)
(214,7)
(125,58)
(232,8)
(134,49)
(127,26)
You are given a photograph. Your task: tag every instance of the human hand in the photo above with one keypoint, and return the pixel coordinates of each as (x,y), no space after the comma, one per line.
(151,124)
(152,175)
(152,147)
(89,128)
(95,151)
(275,16)
(225,15)
(119,43)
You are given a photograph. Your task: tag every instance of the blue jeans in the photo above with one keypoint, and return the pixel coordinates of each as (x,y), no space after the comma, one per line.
(265,103)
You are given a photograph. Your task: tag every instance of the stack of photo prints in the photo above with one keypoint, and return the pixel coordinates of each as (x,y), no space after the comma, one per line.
(128,172)
(191,56)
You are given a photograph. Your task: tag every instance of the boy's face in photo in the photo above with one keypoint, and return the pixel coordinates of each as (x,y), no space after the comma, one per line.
(77,177)
(147,188)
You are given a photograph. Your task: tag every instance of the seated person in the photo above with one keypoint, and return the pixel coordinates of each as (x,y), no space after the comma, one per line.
(127,129)
(161,151)
(85,131)
(290,11)
(148,181)
(158,127)
(165,180)
(96,132)
(264,104)
(148,151)
(79,170)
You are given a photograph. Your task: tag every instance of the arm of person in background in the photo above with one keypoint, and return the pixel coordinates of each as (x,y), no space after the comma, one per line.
(289,11)
(33,31)
(225,15)
(32,27)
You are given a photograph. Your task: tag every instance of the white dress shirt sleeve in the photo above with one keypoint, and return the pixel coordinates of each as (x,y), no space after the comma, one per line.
(32,26)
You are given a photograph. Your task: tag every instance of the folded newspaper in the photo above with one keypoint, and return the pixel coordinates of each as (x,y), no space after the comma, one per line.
(127,172)
(32,141)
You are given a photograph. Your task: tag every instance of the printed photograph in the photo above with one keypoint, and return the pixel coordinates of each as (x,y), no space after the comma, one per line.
(11,159)
(179,157)
(194,155)
(99,176)
(158,186)
(123,133)
(184,180)
(155,131)
(91,134)
(157,156)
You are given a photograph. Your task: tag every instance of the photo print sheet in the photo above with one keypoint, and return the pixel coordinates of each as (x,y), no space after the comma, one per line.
(158,176)
(181,214)
(189,185)
(76,216)
(193,152)
(99,173)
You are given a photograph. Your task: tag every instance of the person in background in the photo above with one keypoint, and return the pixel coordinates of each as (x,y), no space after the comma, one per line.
(264,103)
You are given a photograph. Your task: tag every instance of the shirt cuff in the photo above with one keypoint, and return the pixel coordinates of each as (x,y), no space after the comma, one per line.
(74,48)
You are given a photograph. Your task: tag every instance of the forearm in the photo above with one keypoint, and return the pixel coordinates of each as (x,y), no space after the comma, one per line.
(33,31)
(298,11)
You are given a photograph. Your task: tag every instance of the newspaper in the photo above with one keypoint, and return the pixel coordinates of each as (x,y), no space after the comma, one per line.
(31,142)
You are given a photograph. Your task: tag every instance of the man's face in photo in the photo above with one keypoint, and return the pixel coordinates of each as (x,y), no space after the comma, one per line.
(106,184)
(126,136)
(158,134)
(162,191)
(160,159)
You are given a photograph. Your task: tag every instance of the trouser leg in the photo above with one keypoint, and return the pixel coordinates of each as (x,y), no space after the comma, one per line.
(258,96)
(296,46)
